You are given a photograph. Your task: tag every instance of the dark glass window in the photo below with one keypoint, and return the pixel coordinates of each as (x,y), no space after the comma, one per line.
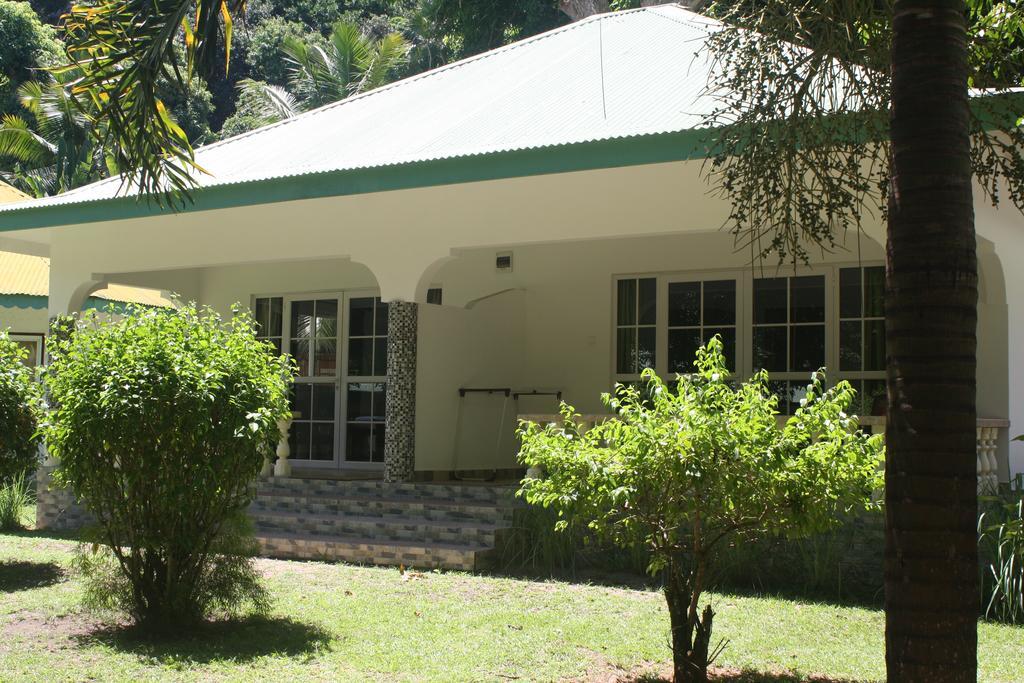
(697,311)
(367,337)
(270,320)
(636,320)
(862,335)
(312,433)
(365,418)
(789,324)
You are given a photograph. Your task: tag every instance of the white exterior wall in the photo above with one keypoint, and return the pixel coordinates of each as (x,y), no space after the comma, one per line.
(23,320)
(566,234)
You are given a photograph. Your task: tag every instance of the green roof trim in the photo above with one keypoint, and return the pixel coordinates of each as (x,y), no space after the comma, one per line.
(23,301)
(39,302)
(598,154)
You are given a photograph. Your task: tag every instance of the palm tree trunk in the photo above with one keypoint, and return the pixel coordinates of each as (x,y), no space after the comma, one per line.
(931,313)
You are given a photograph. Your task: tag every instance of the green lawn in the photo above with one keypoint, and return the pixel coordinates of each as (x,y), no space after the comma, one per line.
(338,622)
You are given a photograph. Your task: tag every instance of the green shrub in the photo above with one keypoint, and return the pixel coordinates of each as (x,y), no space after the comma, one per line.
(684,471)
(1001,547)
(19,404)
(15,495)
(161,423)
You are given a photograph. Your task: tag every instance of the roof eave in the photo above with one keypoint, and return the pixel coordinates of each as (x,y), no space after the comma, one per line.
(591,155)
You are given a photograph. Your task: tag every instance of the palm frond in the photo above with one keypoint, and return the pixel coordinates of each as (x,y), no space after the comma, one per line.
(386,56)
(21,144)
(272,102)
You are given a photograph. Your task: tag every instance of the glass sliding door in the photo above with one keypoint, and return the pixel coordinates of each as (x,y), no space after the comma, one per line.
(339,344)
(366,380)
(312,340)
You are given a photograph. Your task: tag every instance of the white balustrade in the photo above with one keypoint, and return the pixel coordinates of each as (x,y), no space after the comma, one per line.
(283,468)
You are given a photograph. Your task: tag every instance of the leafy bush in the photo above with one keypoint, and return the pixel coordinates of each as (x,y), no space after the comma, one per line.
(161,424)
(19,403)
(1001,541)
(15,496)
(684,472)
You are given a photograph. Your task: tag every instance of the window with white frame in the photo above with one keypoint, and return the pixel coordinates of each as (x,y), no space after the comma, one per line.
(788,332)
(697,311)
(790,325)
(636,326)
(33,345)
(339,345)
(367,379)
(270,320)
(862,335)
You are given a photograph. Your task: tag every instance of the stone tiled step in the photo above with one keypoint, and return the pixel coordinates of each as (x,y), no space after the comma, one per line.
(481,493)
(371,551)
(386,507)
(410,528)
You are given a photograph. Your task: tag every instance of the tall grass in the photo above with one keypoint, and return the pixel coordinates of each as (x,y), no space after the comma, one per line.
(1001,545)
(15,496)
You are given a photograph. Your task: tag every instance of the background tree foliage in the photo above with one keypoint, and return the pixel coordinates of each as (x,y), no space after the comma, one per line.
(19,403)
(161,422)
(683,471)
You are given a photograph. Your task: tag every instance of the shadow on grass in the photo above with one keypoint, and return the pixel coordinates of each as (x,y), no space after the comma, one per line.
(230,640)
(745,676)
(20,575)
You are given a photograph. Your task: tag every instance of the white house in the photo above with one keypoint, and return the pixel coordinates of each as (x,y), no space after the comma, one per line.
(533,219)
(24,290)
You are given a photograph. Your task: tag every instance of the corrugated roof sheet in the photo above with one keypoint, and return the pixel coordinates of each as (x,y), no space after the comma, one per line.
(9,194)
(614,75)
(30,275)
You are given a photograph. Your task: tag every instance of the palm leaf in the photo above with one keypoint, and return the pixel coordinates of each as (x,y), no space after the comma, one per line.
(272,102)
(387,55)
(20,143)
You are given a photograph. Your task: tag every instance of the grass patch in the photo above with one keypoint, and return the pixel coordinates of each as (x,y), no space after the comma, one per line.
(339,622)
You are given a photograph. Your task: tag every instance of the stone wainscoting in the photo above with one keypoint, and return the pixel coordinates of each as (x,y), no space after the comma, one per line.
(56,508)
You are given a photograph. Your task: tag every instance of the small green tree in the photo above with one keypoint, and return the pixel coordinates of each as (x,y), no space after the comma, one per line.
(161,424)
(684,470)
(19,402)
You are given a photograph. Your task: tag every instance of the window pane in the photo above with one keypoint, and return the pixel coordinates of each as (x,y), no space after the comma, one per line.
(874,292)
(720,302)
(625,348)
(302,400)
(849,293)
(770,348)
(276,343)
(808,348)
(323,402)
(648,301)
(378,442)
(323,441)
(382,318)
(276,317)
(360,357)
(262,315)
(874,345)
(327,318)
(298,441)
(380,356)
(359,445)
(435,295)
(684,304)
(360,316)
(300,352)
(849,345)
(770,300)
(326,358)
(808,299)
(626,303)
(360,402)
(728,335)
(682,349)
(645,347)
(379,402)
(874,398)
(302,319)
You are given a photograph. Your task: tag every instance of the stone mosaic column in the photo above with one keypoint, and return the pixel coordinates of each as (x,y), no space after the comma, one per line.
(400,414)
